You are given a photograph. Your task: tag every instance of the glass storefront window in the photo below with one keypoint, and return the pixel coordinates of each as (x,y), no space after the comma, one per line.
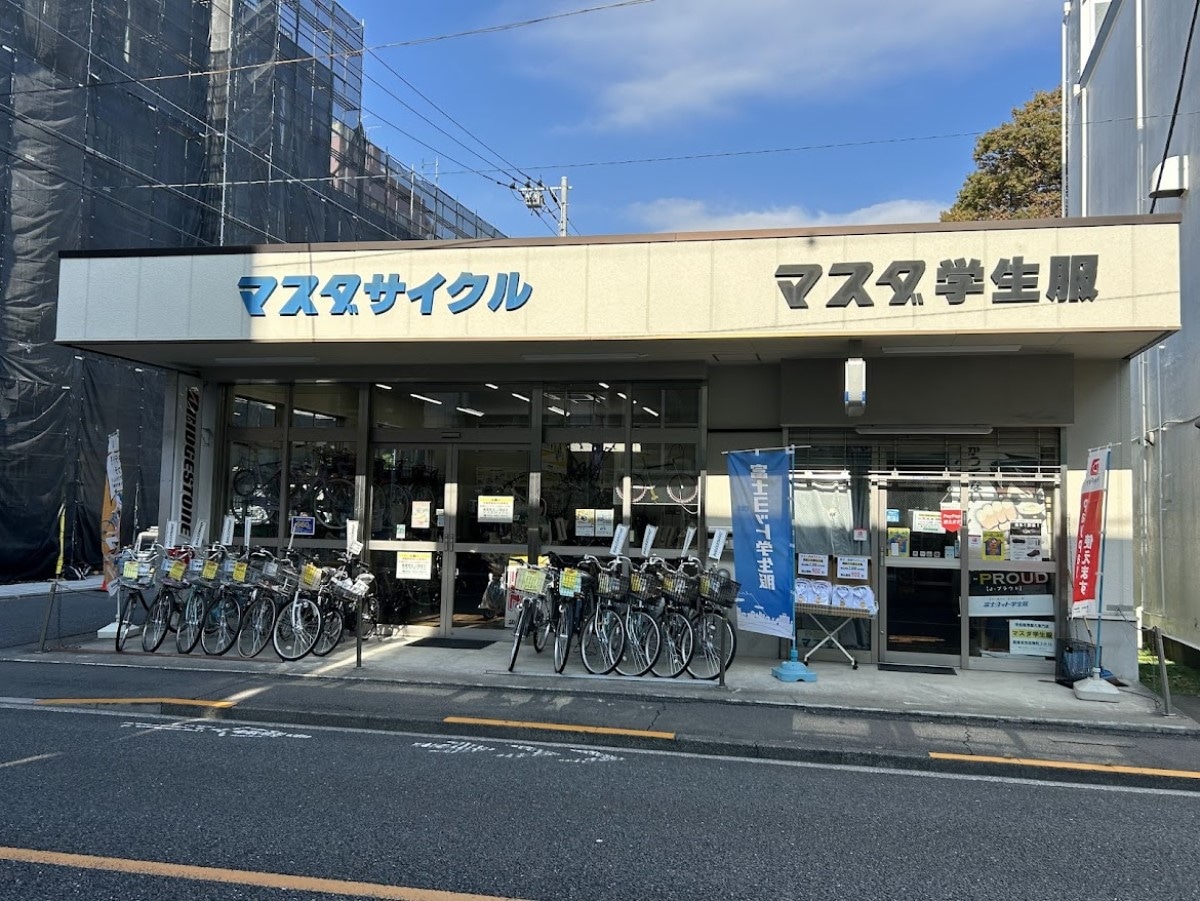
(254,486)
(491,405)
(321,484)
(1010,522)
(493,496)
(409,587)
(580,492)
(258,406)
(666,405)
(324,406)
(594,404)
(408,485)
(1012,613)
(665,492)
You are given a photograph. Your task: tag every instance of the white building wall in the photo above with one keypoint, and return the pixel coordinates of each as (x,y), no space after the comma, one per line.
(1119,117)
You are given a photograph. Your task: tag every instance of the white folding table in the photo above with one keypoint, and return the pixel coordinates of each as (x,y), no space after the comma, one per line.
(819,613)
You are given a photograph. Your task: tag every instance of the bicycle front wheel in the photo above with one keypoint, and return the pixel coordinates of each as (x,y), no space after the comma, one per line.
(157,621)
(125,615)
(602,642)
(543,624)
(519,633)
(643,644)
(221,624)
(562,637)
(677,646)
(257,623)
(296,629)
(706,659)
(191,621)
(332,625)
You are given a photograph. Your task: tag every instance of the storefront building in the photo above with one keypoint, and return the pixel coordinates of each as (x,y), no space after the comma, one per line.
(472,402)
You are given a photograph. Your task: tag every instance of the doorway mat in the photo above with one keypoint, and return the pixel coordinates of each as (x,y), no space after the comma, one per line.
(917,668)
(468,644)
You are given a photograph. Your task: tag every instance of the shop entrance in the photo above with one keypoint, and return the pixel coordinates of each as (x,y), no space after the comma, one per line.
(444,521)
(969,573)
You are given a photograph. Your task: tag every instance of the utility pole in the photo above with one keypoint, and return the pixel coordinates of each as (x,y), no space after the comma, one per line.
(535,198)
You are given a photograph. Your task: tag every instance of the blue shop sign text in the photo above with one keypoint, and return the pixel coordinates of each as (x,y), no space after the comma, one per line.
(340,294)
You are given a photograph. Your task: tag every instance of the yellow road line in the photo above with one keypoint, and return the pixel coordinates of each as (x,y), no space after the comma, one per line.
(182,701)
(238,877)
(1069,765)
(557,727)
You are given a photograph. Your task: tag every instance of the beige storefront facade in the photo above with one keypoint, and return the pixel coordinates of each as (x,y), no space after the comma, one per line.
(597,381)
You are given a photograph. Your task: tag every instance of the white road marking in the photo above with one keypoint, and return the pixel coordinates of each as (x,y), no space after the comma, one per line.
(511,751)
(210,728)
(32,759)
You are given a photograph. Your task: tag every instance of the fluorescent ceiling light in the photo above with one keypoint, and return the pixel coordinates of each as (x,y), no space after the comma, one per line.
(621,395)
(924,429)
(493,387)
(602,384)
(428,400)
(553,396)
(570,358)
(648,410)
(383,386)
(961,349)
(469,410)
(520,397)
(559,410)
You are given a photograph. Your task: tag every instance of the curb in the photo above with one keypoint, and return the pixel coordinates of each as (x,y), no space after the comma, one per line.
(617,690)
(876,759)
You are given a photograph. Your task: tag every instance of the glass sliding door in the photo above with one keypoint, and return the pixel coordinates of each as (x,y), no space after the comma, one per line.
(921,584)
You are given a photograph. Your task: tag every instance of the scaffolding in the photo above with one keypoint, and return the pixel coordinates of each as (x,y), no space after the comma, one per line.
(136,124)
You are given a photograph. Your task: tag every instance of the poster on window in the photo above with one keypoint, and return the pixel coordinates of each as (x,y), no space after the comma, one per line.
(414,565)
(585,523)
(495,508)
(813,565)
(420,515)
(760,489)
(1007,593)
(1031,637)
(604,523)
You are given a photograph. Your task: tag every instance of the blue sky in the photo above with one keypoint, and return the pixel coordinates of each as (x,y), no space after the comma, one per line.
(718,79)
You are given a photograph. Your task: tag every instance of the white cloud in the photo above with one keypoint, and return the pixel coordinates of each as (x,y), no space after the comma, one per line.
(673,214)
(678,60)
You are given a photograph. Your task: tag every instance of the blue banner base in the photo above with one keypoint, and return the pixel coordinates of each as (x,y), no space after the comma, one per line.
(792,670)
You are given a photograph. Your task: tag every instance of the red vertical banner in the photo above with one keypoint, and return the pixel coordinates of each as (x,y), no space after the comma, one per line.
(1089,542)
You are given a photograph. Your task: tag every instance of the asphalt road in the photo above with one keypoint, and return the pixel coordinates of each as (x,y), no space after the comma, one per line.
(81,612)
(551,821)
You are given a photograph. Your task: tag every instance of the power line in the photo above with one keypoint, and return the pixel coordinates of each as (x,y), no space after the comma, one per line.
(1187,51)
(323,58)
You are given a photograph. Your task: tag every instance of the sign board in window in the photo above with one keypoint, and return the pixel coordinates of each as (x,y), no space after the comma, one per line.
(1033,638)
(303,526)
(414,565)
(585,523)
(605,522)
(1011,594)
(813,565)
(420,515)
(852,569)
(495,508)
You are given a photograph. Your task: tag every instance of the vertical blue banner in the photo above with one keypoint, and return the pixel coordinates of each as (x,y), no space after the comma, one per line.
(760,488)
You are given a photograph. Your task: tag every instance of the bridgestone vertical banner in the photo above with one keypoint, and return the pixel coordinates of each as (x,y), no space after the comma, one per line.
(1089,543)
(760,489)
(191,430)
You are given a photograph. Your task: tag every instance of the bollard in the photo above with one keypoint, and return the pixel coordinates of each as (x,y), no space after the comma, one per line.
(1162,672)
(721,646)
(46,621)
(358,633)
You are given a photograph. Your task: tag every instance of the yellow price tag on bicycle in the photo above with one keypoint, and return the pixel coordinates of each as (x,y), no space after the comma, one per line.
(239,572)
(177,570)
(531,581)
(311,575)
(569,582)
(210,570)
(129,570)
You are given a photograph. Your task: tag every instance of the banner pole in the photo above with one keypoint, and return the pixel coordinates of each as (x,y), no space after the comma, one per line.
(1094,687)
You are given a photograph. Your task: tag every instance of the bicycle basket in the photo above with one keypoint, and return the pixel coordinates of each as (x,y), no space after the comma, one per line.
(644,587)
(281,577)
(719,589)
(530,581)
(680,587)
(612,586)
(137,572)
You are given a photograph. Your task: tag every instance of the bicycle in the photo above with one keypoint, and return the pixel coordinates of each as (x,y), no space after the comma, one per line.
(680,588)
(339,597)
(717,593)
(530,586)
(276,580)
(298,624)
(137,573)
(602,641)
(643,639)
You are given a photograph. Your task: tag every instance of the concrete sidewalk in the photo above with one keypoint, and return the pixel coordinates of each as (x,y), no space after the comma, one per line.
(1013,698)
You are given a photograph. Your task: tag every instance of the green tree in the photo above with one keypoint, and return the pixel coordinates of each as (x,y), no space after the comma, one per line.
(1018,171)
